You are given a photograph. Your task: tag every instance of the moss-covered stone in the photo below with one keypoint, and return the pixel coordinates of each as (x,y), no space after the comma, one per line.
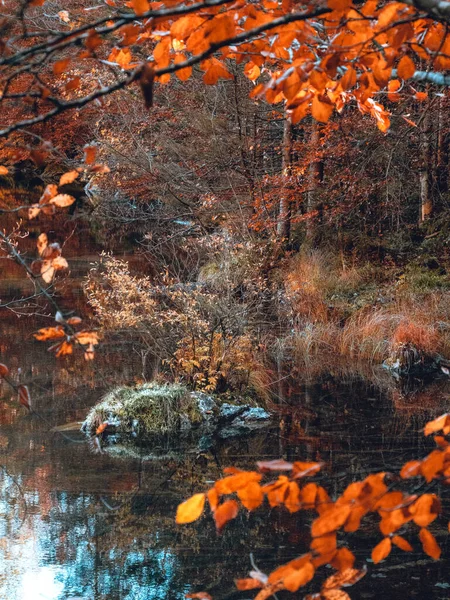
(146,409)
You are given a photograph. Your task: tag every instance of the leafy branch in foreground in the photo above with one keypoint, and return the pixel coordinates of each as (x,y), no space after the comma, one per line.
(315,57)
(397,509)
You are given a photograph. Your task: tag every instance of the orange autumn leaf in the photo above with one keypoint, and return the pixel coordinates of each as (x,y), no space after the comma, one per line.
(4,371)
(425,510)
(411,469)
(251,495)
(199,596)
(343,559)
(191,509)
(49,333)
(101,428)
(139,6)
(401,543)
(213,498)
(421,96)
(382,550)
(334,595)
(429,544)
(62,349)
(215,70)
(248,584)
(406,67)
(294,565)
(439,423)
(233,483)
(330,520)
(299,578)
(324,545)
(432,465)
(321,110)
(225,512)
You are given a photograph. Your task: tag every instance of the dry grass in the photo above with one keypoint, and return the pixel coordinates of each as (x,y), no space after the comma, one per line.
(371,333)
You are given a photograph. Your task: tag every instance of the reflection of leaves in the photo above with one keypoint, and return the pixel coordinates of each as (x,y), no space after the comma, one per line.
(24,396)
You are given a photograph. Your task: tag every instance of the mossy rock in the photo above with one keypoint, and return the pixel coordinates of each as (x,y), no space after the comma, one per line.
(169,416)
(146,409)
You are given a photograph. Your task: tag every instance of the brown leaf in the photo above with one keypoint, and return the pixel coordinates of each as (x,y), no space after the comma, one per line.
(42,243)
(62,200)
(50,191)
(49,333)
(343,579)
(146,82)
(86,337)
(74,321)
(225,512)
(60,263)
(4,371)
(51,251)
(24,396)
(191,509)
(90,152)
(382,550)
(33,211)
(47,271)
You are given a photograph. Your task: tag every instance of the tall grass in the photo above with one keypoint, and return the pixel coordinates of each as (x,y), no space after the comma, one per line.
(326,319)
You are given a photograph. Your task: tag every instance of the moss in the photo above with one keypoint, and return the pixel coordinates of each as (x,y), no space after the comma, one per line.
(156,408)
(422,279)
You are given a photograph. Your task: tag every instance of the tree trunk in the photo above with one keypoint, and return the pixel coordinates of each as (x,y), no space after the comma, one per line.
(443,147)
(315,178)
(426,199)
(284,212)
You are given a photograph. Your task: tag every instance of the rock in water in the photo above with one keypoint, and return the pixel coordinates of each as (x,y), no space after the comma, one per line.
(152,409)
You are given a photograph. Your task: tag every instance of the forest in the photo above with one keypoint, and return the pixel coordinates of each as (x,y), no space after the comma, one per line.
(224,299)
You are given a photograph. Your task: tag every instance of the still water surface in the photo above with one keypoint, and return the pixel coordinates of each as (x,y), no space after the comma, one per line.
(79,524)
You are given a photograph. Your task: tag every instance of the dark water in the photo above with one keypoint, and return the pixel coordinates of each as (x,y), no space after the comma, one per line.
(76,523)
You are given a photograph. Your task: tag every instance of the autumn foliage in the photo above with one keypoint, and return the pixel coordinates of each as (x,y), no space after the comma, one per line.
(399,512)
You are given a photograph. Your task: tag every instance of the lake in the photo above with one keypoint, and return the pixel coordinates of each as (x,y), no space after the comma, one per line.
(79,523)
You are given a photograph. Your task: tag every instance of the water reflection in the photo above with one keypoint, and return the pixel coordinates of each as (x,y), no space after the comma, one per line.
(75,524)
